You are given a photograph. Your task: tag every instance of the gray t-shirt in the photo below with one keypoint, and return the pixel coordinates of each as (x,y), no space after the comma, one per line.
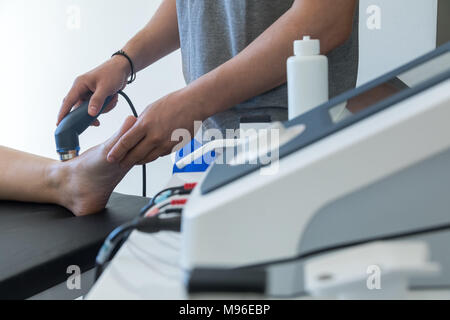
(214,31)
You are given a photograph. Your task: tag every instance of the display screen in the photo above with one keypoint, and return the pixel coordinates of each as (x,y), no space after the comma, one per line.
(412,78)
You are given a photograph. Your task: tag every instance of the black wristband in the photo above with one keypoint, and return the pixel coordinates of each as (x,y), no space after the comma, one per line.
(133,74)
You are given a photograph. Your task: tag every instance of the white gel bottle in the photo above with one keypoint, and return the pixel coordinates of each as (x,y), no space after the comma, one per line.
(307,73)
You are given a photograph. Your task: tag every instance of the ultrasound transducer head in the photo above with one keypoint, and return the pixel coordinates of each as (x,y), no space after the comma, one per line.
(68,132)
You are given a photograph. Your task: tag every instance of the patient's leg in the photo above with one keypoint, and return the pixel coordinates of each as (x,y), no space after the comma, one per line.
(82,185)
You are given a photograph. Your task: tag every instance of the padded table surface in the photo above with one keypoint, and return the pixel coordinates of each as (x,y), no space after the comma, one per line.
(38,242)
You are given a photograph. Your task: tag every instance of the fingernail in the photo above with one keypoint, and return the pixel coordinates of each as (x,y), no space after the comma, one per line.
(93,110)
(111,159)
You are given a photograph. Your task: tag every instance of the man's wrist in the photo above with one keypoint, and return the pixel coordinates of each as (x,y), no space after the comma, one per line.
(122,53)
(122,64)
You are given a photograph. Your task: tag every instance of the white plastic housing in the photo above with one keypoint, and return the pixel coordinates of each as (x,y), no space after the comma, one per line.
(261,218)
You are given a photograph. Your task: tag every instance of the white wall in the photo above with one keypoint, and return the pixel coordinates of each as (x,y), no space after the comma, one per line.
(41,54)
(407,30)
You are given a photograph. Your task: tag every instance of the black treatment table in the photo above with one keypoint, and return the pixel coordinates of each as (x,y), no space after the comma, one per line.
(39,242)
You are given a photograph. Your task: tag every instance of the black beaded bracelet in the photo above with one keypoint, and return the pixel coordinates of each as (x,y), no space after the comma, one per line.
(123,54)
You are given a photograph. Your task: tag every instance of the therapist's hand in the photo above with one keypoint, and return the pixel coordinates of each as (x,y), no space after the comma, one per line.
(105,80)
(150,137)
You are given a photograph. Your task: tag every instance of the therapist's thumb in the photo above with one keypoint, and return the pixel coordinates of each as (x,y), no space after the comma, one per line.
(97,101)
(127,125)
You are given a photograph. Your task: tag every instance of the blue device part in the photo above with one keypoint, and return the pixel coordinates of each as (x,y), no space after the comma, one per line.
(74,124)
(198,165)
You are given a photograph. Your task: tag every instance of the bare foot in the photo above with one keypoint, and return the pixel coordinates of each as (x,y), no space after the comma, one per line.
(89,179)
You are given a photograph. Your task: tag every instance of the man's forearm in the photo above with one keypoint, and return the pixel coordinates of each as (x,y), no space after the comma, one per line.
(158,38)
(262,65)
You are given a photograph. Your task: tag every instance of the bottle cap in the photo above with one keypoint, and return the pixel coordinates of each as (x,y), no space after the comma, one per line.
(307,47)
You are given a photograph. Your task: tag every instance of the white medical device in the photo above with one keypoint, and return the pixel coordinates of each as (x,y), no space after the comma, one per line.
(372,164)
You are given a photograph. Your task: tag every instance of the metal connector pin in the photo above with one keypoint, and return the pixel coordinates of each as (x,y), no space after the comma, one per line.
(68,155)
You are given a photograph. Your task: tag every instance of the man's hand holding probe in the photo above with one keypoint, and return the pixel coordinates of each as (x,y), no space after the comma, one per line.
(98,84)
(150,137)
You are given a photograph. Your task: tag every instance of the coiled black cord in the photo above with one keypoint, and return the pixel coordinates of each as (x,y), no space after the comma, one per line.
(144,167)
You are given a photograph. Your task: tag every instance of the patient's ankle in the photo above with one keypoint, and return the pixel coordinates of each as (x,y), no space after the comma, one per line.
(56,177)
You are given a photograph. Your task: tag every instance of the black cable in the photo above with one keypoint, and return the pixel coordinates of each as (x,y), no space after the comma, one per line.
(156,224)
(110,245)
(133,109)
(152,202)
(147,225)
(175,191)
(168,211)
(393,236)
(179,211)
(144,167)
